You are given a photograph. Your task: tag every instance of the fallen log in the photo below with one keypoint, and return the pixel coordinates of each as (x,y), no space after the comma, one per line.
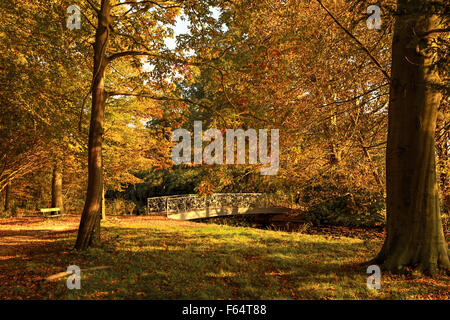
(65,274)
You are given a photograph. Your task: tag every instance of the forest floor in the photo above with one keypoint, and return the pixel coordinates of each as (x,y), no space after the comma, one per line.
(152,257)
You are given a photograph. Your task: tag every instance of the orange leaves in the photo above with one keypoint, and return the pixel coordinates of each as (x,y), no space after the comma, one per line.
(276,52)
(205,188)
(264,66)
(172,86)
(243,101)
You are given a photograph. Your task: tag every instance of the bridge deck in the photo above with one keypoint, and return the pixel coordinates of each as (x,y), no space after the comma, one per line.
(193,206)
(223,211)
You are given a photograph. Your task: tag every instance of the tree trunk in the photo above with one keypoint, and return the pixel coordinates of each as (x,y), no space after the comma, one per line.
(7,195)
(89,230)
(57,195)
(414,233)
(103,204)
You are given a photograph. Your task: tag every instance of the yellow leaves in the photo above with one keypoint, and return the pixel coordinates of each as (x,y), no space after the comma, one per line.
(75,146)
(205,188)
(215,53)
(21,59)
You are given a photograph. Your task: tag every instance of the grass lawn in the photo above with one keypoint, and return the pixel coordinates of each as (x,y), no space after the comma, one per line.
(156,258)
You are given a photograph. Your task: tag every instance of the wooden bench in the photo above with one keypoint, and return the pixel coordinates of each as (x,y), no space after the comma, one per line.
(46,213)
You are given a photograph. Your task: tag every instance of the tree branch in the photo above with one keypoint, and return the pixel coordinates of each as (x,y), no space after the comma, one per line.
(82,108)
(149,54)
(93,7)
(162,98)
(130,3)
(93,26)
(375,61)
(434,31)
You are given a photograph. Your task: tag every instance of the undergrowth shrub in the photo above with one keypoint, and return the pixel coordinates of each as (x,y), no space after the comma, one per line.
(329,205)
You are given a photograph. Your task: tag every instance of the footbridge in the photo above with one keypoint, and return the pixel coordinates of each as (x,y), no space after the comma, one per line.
(193,206)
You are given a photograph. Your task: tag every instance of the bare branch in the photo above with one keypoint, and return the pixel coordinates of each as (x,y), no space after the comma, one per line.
(356,97)
(153,55)
(375,61)
(434,31)
(93,26)
(93,6)
(82,108)
(163,98)
(130,3)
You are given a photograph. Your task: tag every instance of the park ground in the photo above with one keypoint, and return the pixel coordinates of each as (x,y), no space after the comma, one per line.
(152,257)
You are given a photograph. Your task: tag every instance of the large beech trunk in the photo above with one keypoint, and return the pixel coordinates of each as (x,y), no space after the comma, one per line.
(89,230)
(57,195)
(414,233)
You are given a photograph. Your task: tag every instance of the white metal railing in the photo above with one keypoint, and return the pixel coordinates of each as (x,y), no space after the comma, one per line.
(189,202)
